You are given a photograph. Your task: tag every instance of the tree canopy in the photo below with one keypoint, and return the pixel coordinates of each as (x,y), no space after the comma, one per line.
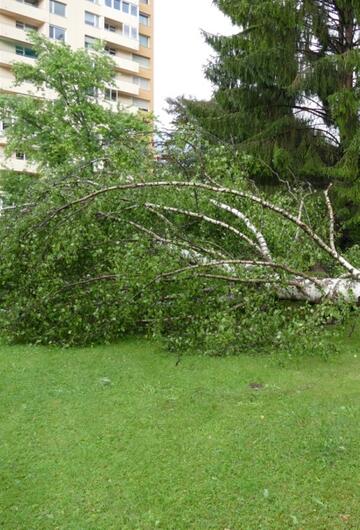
(75,127)
(287,90)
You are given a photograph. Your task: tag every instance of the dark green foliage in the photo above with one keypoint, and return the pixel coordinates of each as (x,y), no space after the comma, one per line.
(15,186)
(51,276)
(287,91)
(218,320)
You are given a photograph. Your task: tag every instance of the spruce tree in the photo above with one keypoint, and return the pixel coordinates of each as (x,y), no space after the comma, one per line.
(287,89)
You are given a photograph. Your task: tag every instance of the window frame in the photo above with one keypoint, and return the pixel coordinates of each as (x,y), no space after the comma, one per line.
(53,28)
(96,19)
(111,92)
(143,38)
(52,8)
(144,16)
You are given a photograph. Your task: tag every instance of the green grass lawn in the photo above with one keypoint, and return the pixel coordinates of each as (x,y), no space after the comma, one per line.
(118,437)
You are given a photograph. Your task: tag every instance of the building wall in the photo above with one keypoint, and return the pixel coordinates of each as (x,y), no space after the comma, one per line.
(128,36)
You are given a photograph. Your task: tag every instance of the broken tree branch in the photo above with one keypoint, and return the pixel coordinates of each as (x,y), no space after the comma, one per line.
(331,219)
(355,273)
(263,246)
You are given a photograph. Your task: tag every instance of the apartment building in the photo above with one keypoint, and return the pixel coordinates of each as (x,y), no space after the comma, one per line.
(125,28)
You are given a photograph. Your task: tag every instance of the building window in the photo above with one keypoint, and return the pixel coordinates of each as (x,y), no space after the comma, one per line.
(57,8)
(3,126)
(126,7)
(92,92)
(91,19)
(142,82)
(144,41)
(130,32)
(146,2)
(24,26)
(57,33)
(110,27)
(110,51)
(111,94)
(113,3)
(144,19)
(141,104)
(29,2)
(25,51)
(144,62)
(90,42)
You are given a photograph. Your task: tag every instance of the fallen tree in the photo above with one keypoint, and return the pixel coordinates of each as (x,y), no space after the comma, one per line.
(300,285)
(202,264)
(111,240)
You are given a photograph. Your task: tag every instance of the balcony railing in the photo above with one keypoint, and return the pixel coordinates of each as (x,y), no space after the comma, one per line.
(125,64)
(28,10)
(7,58)
(112,37)
(15,164)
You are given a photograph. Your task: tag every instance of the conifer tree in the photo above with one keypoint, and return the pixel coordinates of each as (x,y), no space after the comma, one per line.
(287,88)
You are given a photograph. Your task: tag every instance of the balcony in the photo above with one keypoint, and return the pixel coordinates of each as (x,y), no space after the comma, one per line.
(114,14)
(7,85)
(11,32)
(33,14)
(8,58)
(112,38)
(125,64)
(26,89)
(14,164)
(127,88)
(119,40)
(114,106)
